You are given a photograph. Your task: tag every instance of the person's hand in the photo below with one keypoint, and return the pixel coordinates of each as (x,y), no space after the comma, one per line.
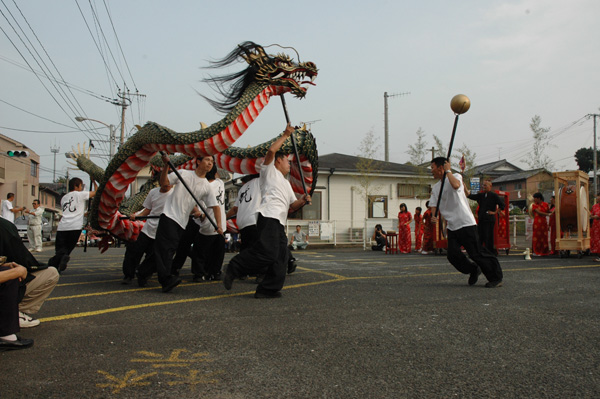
(132,217)
(22,271)
(307,199)
(219,230)
(434,219)
(289,129)
(165,159)
(447,166)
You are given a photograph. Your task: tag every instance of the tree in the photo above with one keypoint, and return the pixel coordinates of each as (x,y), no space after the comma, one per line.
(367,167)
(418,152)
(440,150)
(585,158)
(469,160)
(537,159)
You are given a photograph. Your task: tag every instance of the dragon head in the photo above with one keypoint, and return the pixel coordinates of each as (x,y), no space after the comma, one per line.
(263,69)
(281,70)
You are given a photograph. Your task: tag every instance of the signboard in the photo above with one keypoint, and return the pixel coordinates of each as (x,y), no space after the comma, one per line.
(475,184)
(313,228)
(326,231)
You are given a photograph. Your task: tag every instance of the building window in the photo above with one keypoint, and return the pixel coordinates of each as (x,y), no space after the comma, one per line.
(309,212)
(378,206)
(501,188)
(518,186)
(33,191)
(34,169)
(413,191)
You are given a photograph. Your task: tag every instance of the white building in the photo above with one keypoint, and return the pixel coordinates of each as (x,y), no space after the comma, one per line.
(340,209)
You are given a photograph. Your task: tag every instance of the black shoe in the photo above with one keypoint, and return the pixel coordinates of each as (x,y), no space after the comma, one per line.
(474,276)
(19,343)
(264,295)
(126,280)
(208,277)
(173,282)
(62,265)
(494,284)
(198,279)
(142,282)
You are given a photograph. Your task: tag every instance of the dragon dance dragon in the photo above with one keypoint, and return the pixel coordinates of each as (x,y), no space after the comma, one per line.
(248,93)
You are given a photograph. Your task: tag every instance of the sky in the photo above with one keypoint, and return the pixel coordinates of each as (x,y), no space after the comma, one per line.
(513,59)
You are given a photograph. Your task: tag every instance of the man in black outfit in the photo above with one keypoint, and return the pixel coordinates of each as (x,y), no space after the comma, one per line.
(489,202)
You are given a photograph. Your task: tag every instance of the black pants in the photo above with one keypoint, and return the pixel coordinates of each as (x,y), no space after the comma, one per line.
(190,235)
(249,236)
(166,242)
(211,250)
(64,244)
(269,254)
(486,235)
(144,245)
(9,306)
(467,238)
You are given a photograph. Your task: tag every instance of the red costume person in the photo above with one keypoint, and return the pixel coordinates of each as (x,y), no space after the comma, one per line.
(540,210)
(595,229)
(418,228)
(404,237)
(428,227)
(552,224)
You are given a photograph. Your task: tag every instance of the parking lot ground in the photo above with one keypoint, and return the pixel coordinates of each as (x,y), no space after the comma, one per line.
(350,324)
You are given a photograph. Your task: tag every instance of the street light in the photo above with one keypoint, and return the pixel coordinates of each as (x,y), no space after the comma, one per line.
(110,127)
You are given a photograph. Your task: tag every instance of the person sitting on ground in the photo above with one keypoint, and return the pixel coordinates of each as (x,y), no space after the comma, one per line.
(11,275)
(299,239)
(380,237)
(40,279)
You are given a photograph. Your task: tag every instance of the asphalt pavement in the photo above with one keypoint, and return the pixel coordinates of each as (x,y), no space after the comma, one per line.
(350,324)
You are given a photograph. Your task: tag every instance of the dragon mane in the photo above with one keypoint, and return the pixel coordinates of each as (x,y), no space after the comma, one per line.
(231,86)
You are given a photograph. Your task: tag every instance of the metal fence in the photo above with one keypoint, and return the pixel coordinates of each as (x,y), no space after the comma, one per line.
(359,232)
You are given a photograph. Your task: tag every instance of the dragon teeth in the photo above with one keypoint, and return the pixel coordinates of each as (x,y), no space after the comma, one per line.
(280,74)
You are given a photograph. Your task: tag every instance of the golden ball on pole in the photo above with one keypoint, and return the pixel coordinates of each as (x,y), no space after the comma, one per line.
(460,104)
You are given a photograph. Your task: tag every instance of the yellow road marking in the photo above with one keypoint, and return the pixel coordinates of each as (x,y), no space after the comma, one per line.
(336,278)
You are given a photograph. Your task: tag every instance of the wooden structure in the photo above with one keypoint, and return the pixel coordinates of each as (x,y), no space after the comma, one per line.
(572,212)
(391,246)
(440,238)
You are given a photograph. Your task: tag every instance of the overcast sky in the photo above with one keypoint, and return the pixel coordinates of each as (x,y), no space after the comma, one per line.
(514,59)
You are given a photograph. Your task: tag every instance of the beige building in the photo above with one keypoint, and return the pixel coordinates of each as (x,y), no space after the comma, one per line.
(19,174)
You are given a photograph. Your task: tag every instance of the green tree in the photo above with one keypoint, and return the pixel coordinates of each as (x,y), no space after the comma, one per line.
(418,151)
(440,150)
(367,167)
(541,141)
(585,158)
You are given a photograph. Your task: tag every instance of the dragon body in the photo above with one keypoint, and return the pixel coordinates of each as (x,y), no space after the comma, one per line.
(266,76)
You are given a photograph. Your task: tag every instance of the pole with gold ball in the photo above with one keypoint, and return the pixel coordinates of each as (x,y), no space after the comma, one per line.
(459,105)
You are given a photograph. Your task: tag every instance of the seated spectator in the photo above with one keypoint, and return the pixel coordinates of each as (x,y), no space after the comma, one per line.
(39,281)
(380,237)
(299,239)
(11,275)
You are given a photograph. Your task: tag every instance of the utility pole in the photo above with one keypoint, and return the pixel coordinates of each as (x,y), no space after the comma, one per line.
(55,151)
(595,155)
(124,102)
(385,119)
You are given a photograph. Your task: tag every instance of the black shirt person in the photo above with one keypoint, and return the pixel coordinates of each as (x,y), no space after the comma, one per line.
(489,202)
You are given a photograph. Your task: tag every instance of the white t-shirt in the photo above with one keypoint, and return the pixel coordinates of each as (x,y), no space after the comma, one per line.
(7,213)
(277,194)
(155,201)
(454,205)
(180,204)
(218,190)
(36,220)
(247,202)
(73,207)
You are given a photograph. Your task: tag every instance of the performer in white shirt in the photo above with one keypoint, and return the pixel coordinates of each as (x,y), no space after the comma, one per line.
(69,228)
(173,221)
(462,229)
(270,252)
(144,245)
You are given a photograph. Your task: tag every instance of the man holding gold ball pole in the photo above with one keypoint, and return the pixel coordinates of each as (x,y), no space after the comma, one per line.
(452,202)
